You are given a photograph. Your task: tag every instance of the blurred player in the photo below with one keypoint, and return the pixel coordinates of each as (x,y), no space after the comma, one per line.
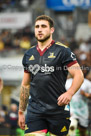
(45,71)
(79,105)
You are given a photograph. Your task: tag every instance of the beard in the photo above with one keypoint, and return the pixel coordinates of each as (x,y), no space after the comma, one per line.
(44,39)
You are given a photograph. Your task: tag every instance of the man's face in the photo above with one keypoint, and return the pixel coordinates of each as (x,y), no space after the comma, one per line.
(43,30)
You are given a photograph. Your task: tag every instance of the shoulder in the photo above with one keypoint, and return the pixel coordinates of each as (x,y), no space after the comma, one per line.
(28,53)
(61,45)
(30,50)
(65,50)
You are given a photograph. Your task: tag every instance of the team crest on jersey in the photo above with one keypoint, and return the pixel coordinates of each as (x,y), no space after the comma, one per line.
(51,55)
(64,129)
(32,58)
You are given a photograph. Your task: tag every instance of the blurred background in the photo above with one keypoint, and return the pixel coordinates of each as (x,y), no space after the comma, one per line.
(72,27)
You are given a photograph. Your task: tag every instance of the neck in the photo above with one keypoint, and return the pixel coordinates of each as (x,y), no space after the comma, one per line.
(44,44)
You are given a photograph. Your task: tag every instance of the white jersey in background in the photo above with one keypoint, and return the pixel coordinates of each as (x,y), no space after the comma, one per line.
(79,103)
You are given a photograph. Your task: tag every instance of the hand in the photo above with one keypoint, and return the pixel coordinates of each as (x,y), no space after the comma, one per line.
(64,99)
(21,121)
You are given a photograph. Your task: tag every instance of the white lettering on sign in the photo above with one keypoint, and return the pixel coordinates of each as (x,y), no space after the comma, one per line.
(76,2)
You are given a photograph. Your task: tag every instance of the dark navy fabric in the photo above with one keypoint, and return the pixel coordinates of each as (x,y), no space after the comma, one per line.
(48,76)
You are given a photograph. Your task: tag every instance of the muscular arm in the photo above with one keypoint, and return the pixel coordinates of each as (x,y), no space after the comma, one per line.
(78,78)
(24,93)
(77,75)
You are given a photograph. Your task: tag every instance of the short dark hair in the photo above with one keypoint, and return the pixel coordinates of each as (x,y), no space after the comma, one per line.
(47,18)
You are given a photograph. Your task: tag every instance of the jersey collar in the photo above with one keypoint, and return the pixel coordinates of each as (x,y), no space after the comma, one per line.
(41,52)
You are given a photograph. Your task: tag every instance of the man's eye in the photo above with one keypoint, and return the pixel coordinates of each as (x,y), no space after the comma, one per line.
(44,26)
(37,26)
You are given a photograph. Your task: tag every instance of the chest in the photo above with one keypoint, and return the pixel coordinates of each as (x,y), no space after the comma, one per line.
(48,58)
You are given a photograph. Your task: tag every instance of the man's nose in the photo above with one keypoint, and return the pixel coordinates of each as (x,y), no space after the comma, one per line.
(40,28)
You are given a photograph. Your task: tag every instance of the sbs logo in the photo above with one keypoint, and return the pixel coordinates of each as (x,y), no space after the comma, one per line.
(47,68)
(34,69)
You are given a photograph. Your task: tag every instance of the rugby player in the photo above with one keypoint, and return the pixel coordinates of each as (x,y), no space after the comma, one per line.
(46,66)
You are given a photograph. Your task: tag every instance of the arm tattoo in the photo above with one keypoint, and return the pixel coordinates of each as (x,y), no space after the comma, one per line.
(24,95)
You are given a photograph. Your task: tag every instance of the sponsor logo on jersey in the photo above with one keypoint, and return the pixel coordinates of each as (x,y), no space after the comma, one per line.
(64,129)
(51,55)
(44,69)
(34,69)
(32,58)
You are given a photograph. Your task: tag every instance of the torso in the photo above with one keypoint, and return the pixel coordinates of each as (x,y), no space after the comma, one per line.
(48,75)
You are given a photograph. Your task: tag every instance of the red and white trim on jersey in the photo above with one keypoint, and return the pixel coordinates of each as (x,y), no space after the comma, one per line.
(71,63)
(41,52)
(26,71)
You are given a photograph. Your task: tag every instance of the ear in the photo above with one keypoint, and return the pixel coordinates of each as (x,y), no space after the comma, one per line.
(52,30)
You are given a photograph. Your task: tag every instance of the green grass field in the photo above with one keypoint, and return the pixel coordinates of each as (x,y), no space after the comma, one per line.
(21,133)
